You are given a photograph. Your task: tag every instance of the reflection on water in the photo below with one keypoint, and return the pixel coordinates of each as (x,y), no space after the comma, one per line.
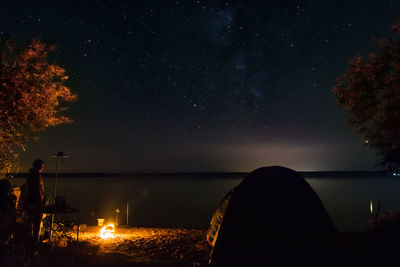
(153,201)
(190,201)
(348,199)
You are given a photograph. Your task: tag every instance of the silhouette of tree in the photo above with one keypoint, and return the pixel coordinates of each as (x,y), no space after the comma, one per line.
(32,95)
(370,91)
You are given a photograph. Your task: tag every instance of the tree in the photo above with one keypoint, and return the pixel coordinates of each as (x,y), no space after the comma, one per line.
(370,91)
(32,96)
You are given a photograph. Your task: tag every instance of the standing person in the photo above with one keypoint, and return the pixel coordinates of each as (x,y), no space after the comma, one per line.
(35,199)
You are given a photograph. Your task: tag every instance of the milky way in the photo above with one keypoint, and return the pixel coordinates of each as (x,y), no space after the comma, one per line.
(202,86)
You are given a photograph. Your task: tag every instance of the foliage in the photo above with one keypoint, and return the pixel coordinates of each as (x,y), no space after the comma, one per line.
(32,95)
(370,91)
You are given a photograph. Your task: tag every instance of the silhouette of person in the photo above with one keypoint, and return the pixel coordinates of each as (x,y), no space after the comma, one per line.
(7,214)
(35,199)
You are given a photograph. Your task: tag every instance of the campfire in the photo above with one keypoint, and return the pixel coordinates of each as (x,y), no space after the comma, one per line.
(107,231)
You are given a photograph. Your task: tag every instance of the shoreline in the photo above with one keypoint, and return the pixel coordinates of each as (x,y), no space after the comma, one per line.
(131,247)
(188,248)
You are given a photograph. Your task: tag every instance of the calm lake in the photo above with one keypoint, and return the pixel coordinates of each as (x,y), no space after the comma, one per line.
(190,200)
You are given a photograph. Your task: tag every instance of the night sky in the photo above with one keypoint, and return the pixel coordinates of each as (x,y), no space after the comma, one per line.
(182,86)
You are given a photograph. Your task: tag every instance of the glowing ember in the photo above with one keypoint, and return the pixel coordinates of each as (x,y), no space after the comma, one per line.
(107,231)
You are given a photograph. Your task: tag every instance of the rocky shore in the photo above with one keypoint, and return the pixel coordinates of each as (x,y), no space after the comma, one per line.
(130,247)
(188,247)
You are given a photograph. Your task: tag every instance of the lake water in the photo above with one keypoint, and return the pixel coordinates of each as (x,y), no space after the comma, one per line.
(189,201)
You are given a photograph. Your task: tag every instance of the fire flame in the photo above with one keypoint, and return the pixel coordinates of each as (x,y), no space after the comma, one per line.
(107,231)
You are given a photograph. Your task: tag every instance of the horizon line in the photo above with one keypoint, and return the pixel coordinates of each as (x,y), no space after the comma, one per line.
(197,173)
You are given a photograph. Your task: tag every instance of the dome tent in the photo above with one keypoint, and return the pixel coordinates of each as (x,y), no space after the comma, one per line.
(272,218)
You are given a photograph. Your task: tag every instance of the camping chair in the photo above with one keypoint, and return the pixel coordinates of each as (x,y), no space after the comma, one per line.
(60,229)
(56,225)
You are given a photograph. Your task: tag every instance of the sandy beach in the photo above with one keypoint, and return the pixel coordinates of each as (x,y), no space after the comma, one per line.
(130,247)
(187,247)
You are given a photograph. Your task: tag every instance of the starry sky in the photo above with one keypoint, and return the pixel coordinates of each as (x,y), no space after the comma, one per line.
(191,86)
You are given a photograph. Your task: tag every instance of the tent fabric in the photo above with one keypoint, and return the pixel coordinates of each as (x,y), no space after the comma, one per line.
(216,220)
(274,218)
